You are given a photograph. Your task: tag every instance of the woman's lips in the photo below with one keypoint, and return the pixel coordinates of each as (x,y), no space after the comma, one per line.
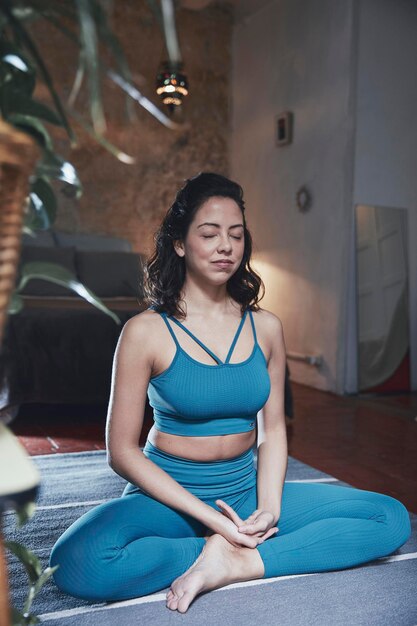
(223,264)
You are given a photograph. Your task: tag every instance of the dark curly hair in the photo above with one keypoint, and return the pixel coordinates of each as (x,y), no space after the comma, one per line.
(164,270)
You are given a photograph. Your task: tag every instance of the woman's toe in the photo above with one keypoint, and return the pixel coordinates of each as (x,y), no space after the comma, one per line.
(172,603)
(184,602)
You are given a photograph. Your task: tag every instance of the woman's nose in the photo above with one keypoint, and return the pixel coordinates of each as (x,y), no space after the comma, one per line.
(225,243)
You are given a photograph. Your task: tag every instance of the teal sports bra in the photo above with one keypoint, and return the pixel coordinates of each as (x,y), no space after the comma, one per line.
(196,399)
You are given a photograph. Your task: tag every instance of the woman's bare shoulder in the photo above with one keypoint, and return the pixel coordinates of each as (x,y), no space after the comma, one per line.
(145,324)
(268,321)
(270,330)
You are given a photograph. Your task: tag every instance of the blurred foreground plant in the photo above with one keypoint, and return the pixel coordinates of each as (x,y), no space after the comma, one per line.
(37,578)
(85,23)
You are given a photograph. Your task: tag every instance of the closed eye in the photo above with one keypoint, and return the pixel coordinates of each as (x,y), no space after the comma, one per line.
(210,236)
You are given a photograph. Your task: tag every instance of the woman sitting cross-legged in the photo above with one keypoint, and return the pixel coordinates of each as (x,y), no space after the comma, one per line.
(196,513)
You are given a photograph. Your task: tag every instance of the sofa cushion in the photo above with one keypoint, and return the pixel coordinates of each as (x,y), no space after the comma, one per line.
(44,238)
(92,242)
(110,274)
(39,287)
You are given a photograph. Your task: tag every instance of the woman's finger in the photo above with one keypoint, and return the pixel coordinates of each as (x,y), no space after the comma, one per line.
(269,533)
(230,512)
(259,520)
(253,543)
(257,526)
(247,541)
(253,516)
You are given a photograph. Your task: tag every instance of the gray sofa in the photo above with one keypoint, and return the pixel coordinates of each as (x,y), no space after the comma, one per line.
(59,348)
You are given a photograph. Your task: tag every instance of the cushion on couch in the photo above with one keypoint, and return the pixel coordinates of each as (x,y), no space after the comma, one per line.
(92,242)
(39,287)
(44,238)
(111,274)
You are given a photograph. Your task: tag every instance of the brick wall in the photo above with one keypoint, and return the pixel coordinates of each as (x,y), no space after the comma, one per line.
(130,200)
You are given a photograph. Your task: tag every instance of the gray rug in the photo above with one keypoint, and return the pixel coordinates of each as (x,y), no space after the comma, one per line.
(381,593)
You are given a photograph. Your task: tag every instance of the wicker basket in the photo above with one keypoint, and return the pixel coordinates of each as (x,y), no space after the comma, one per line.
(18,155)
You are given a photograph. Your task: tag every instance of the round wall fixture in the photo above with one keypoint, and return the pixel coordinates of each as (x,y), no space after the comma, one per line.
(303,199)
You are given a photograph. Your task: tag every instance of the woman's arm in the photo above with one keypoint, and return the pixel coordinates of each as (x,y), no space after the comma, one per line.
(132,369)
(272,434)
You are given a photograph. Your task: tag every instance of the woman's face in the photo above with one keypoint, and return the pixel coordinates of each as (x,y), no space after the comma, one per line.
(215,234)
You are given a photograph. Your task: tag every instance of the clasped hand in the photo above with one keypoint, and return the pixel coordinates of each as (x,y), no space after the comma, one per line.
(258,527)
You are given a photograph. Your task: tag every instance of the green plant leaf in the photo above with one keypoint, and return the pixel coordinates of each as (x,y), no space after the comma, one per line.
(55,273)
(24,13)
(22,35)
(29,599)
(51,18)
(24,513)
(119,154)
(147,104)
(170,31)
(17,102)
(18,619)
(30,619)
(113,44)
(16,71)
(54,166)
(27,558)
(28,231)
(78,80)
(46,574)
(105,35)
(32,126)
(15,304)
(43,206)
(88,34)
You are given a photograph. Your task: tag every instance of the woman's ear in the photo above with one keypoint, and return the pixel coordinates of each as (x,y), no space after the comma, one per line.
(179,247)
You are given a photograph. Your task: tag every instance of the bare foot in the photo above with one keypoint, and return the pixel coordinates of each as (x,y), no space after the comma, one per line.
(220,563)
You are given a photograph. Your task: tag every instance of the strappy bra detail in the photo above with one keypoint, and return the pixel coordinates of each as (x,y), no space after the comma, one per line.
(192,398)
(200,343)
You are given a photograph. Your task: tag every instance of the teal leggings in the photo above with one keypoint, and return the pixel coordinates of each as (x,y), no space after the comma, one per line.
(135,545)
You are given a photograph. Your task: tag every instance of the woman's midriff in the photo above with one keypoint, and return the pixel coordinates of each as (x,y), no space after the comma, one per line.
(213,448)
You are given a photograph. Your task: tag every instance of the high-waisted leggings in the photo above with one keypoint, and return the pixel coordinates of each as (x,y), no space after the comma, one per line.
(135,545)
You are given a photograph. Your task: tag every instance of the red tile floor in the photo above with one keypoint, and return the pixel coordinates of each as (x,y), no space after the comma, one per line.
(367,441)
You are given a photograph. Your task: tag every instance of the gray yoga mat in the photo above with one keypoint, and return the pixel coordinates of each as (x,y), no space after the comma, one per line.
(376,594)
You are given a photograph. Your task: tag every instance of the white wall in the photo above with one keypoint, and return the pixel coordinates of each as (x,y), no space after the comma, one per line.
(386,127)
(297,55)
